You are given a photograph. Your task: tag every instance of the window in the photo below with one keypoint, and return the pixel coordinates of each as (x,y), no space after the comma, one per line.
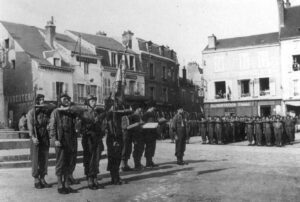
(106,87)
(131,87)
(59,88)
(86,68)
(296,62)
(119,58)
(152,93)
(131,62)
(264,86)
(113,60)
(93,90)
(81,93)
(6,43)
(245,88)
(13,63)
(296,88)
(164,73)
(151,69)
(165,94)
(56,61)
(220,89)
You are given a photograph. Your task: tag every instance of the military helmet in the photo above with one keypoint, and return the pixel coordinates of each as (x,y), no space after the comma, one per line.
(39,96)
(91,97)
(65,95)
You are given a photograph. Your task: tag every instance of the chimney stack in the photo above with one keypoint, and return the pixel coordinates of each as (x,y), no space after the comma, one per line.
(280,4)
(50,32)
(212,41)
(127,38)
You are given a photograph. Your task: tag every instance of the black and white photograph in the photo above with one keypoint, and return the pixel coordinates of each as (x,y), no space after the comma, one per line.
(149,100)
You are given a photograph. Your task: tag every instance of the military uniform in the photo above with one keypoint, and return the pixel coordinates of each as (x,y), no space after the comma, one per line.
(180,140)
(62,129)
(268,132)
(250,131)
(37,126)
(278,132)
(258,132)
(289,128)
(218,131)
(150,137)
(92,144)
(203,130)
(211,130)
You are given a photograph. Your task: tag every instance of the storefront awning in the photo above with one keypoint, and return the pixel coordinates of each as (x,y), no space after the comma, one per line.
(293,103)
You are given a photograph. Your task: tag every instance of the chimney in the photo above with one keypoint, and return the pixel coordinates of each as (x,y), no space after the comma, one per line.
(127,38)
(280,4)
(101,33)
(50,32)
(212,41)
(287,4)
(184,74)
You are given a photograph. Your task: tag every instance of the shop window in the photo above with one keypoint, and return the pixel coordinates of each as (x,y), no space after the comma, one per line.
(265,110)
(245,88)
(296,62)
(264,86)
(220,89)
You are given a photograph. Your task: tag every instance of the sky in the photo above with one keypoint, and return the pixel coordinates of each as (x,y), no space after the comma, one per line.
(183,25)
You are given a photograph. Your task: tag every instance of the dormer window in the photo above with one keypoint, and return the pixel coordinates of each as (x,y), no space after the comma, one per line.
(56,62)
(6,43)
(162,50)
(296,62)
(149,46)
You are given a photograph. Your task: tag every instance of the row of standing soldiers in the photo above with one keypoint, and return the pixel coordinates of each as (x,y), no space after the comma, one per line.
(274,130)
(61,126)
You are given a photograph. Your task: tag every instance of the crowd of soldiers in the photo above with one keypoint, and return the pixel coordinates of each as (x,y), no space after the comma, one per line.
(269,130)
(123,127)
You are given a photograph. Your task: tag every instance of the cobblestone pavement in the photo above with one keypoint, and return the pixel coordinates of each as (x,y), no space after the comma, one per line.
(215,173)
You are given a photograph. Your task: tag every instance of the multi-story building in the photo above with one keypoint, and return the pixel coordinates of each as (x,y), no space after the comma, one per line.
(255,75)
(111,51)
(243,75)
(162,72)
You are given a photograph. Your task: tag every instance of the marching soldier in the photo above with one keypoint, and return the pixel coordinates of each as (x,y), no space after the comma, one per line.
(38,120)
(289,128)
(62,130)
(218,130)
(232,129)
(92,141)
(267,131)
(180,136)
(150,137)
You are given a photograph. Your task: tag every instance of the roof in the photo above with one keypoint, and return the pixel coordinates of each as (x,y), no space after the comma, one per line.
(29,39)
(253,40)
(291,23)
(102,41)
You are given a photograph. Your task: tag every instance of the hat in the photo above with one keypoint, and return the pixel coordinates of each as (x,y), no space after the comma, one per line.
(65,95)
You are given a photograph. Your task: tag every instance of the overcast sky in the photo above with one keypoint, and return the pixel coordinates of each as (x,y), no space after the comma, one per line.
(181,24)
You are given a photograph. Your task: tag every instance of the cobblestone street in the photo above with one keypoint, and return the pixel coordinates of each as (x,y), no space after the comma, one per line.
(215,173)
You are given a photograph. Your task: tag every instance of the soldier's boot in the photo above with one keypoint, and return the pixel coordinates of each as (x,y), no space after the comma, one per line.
(150,163)
(37,183)
(137,164)
(118,180)
(60,187)
(96,183)
(124,165)
(44,183)
(72,180)
(67,183)
(91,184)
(113,178)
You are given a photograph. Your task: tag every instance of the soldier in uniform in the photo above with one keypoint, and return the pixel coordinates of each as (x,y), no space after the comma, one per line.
(218,130)
(114,140)
(267,131)
(180,136)
(136,132)
(278,131)
(62,130)
(37,123)
(289,128)
(203,129)
(211,130)
(150,137)
(92,141)
(258,131)
(249,131)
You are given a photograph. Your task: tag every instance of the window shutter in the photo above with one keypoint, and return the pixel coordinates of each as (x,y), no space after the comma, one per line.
(256,87)
(54,91)
(75,93)
(272,87)
(66,88)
